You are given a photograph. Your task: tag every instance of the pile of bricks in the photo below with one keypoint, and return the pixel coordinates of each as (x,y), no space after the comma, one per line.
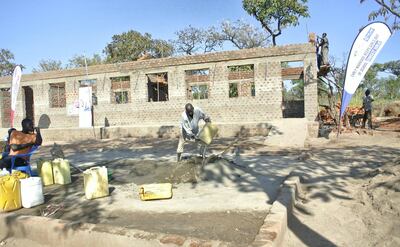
(353,113)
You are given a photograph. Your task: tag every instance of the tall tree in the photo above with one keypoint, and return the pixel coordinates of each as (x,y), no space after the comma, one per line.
(128,46)
(79,61)
(392,67)
(212,39)
(161,48)
(48,65)
(7,64)
(383,87)
(389,9)
(275,15)
(189,40)
(243,35)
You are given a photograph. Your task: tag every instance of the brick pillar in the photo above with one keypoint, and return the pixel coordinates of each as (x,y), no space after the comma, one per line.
(5,107)
(41,104)
(310,87)
(274,88)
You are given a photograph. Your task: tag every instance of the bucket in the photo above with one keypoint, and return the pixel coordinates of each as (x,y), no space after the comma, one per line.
(155,191)
(61,171)
(207,133)
(45,170)
(96,182)
(31,192)
(10,193)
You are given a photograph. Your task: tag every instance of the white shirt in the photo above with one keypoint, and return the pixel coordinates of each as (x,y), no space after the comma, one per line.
(191,126)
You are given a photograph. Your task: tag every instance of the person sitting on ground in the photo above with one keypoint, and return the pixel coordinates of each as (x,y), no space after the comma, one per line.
(367,105)
(21,142)
(189,127)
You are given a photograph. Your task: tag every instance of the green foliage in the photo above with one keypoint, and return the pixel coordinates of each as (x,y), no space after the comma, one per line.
(128,46)
(79,61)
(241,68)
(293,90)
(161,48)
(382,88)
(7,64)
(131,45)
(48,65)
(233,90)
(392,67)
(200,92)
(121,97)
(389,10)
(275,15)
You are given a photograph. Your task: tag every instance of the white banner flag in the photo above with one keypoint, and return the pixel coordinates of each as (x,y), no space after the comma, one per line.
(14,91)
(85,107)
(366,47)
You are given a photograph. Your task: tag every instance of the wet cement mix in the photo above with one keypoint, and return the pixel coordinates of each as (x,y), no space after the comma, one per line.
(68,201)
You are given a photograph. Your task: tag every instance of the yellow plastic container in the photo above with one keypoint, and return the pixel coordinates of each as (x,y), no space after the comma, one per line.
(96,182)
(61,171)
(45,170)
(207,133)
(19,174)
(155,191)
(10,193)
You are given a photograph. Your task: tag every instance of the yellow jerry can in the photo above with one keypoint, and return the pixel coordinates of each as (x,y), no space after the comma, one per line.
(10,193)
(96,182)
(45,170)
(155,191)
(207,133)
(19,174)
(61,171)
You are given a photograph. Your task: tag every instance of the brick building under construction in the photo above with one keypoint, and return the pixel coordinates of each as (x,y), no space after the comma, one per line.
(242,88)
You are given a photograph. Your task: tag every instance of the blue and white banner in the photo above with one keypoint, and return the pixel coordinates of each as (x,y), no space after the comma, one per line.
(366,47)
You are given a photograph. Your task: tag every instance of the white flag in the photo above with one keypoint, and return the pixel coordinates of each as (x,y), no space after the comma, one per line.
(14,91)
(366,47)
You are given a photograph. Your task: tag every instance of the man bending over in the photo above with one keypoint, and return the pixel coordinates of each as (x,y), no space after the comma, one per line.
(189,126)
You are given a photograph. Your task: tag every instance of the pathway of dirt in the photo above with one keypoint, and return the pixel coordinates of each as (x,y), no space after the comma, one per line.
(352,193)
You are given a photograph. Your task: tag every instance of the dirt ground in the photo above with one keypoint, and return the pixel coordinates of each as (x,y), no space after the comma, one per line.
(351,193)
(228,202)
(392,124)
(351,189)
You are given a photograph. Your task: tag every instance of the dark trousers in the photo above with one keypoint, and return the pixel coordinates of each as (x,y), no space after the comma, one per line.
(6,162)
(367,115)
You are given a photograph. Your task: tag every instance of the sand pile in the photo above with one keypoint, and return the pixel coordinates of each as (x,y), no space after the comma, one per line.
(380,203)
(383,188)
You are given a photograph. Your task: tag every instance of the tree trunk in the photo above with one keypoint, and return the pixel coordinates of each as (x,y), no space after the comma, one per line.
(274,39)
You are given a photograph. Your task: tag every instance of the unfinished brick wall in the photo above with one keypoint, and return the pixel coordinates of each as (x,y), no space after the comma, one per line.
(266,105)
(5,101)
